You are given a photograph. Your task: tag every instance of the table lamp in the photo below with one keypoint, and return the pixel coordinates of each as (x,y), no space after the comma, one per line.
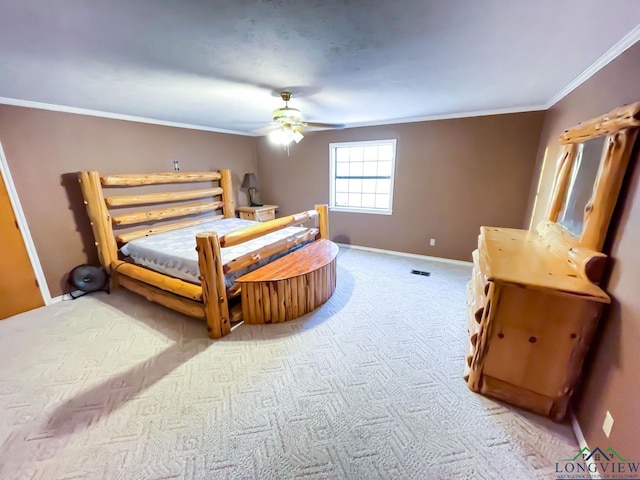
(250,182)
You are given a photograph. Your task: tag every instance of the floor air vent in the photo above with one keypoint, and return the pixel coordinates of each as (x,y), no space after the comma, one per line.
(421,272)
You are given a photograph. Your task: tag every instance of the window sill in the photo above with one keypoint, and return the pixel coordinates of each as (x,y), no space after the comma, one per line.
(360,210)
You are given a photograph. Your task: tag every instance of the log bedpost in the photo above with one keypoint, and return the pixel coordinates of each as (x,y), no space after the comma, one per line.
(323,215)
(100,219)
(227,193)
(214,292)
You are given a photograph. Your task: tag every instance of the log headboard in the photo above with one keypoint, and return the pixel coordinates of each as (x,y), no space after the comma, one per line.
(107,223)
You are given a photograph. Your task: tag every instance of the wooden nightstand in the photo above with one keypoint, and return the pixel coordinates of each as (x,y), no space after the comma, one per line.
(259,214)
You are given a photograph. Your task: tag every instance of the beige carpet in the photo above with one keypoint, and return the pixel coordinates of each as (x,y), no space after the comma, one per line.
(368,386)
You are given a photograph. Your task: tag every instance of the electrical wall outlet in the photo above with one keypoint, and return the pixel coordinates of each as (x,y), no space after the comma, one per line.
(176,165)
(607,425)
(432,242)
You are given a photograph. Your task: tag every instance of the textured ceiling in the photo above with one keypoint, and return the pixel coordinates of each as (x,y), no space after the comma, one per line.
(220,64)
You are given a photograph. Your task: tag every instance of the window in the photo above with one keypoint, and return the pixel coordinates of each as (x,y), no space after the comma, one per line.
(362,176)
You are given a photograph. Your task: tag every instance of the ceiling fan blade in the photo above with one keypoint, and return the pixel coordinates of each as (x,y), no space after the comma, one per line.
(265,130)
(333,126)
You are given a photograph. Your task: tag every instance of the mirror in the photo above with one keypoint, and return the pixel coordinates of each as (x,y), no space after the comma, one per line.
(590,170)
(581,183)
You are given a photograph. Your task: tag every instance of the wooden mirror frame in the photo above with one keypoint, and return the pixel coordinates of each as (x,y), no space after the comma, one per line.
(621,128)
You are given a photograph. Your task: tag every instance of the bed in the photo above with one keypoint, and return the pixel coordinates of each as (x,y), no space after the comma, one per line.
(184,248)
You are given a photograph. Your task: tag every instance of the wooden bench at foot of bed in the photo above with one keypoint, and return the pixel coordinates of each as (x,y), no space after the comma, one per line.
(290,286)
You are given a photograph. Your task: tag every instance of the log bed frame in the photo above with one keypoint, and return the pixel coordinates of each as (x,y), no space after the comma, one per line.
(210,300)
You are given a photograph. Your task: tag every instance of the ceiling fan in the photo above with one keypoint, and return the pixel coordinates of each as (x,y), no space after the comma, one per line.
(288,124)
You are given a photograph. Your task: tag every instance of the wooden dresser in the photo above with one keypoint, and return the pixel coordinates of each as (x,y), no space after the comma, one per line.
(533,300)
(531,319)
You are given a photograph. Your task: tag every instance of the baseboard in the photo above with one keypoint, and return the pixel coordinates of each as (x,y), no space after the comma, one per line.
(582,443)
(57,299)
(409,255)
(65,297)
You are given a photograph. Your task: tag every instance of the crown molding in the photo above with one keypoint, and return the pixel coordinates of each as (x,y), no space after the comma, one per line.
(626,42)
(450,116)
(132,118)
(115,116)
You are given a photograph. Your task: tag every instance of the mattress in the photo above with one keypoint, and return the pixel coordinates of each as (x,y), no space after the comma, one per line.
(174,253)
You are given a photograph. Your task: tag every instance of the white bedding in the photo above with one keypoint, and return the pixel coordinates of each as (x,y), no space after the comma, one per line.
(174,253)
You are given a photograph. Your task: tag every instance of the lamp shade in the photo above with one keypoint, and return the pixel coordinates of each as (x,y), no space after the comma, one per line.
(250,181)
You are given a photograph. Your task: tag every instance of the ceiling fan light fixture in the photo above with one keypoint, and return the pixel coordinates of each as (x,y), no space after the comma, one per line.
(287,115)
(285,135)
(297,136)
(277,136)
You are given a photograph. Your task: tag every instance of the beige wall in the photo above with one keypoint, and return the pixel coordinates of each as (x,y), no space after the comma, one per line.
(443,168)
(452,176)
(44,150)
(612,380)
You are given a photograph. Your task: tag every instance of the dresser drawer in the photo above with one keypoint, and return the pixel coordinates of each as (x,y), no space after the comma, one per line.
(258,214)
(266,215)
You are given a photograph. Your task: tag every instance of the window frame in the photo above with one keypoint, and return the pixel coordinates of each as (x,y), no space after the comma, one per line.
(332,179)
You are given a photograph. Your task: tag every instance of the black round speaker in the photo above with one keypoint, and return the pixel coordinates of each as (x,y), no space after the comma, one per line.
(87,279)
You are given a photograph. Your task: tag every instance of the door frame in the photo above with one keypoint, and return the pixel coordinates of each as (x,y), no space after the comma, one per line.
(24,228)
